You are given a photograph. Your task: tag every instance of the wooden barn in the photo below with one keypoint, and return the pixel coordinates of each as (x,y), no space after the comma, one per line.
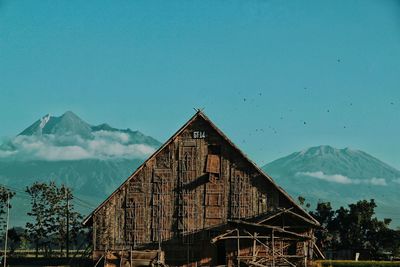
(199,201)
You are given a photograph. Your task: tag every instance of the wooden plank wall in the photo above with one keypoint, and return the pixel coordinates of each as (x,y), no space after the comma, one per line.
(197,182)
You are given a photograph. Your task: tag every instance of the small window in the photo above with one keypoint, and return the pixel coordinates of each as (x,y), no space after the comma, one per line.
(214,149)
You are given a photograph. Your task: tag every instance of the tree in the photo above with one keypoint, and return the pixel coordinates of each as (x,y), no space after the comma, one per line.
(41,213)
(16,238)
(355,228)
(55,221)
(67,225)
(5,196)
(339,228)
(361,223)
(302,202)
(324,215)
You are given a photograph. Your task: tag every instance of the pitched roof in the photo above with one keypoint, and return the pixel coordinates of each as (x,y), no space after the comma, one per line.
(198,114)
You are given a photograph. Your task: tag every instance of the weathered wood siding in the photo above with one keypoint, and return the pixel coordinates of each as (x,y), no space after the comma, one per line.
(184,195)
(196,182)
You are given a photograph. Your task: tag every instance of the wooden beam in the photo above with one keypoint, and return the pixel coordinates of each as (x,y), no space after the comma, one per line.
(274,215)
(273,248)
(220,237)
(255,238)
(269,227)
(254,246)
(238,247)
(319,251)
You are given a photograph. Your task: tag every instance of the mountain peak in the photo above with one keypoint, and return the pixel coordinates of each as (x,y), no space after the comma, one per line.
(67,124)
(319,150)
(324,150)
(328,160)
(103,127)
(70,117)
(70,124)
(70,114)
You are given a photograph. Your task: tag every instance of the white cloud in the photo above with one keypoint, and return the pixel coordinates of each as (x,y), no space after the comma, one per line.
(104,145)
(116,136)
(377,181)
(7,153)
(337,178)
(342,179)
(62,153)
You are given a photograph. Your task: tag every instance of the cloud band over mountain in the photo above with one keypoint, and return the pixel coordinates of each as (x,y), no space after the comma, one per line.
(68,137)
(103,145)
(342,179)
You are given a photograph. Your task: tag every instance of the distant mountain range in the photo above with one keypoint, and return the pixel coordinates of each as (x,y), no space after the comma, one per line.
(95,160)
(341,176)
(69,124)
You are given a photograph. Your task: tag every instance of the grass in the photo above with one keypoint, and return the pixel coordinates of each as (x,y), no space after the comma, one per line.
(341,263)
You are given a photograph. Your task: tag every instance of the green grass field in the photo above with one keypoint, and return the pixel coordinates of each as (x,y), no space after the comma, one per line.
(339,263)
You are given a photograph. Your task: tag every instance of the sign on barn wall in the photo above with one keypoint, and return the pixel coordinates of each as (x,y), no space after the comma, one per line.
(199,134)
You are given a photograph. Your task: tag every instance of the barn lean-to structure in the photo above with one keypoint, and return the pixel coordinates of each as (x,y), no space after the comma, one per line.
(199,201)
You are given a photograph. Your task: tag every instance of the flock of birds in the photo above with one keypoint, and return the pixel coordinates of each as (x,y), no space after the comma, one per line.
(252,101)
(304,122)
(248,100)
(275,131)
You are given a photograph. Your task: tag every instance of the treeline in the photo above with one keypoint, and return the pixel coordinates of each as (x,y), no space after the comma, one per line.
(357,228)
(53,222)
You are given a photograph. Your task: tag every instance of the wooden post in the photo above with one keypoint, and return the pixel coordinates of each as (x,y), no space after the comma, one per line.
(238,247)
(273,248)
(254,246)
(105,257)
(130,263)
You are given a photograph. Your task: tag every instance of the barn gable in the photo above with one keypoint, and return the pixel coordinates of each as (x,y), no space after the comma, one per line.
(196,128)
(193,189)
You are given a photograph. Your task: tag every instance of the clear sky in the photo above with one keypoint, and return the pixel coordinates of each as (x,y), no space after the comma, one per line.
(276,76)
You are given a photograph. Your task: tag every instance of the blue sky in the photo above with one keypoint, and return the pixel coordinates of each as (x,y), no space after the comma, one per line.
(276,76)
